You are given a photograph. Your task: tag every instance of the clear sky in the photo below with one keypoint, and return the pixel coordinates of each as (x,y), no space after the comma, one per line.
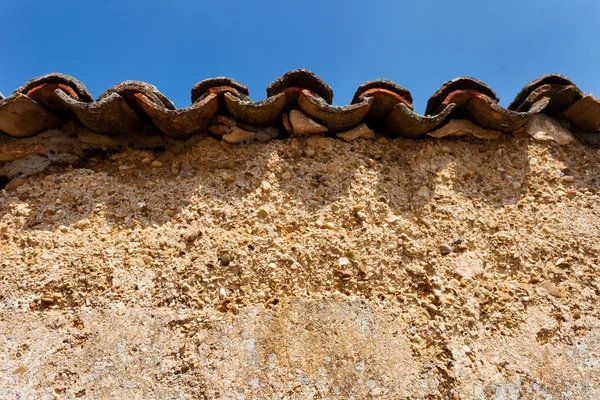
(419,44)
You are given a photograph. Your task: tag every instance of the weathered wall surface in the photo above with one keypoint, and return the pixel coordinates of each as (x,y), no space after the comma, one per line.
(305,269)
(307,349)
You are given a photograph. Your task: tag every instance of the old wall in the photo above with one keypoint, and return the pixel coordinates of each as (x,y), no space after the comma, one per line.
(305,268)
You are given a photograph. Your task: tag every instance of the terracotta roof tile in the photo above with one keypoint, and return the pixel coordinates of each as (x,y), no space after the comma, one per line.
(56,78)
(382,84)
(291,96)
(335,118)
(561,97)
(384,101)
(304,79)
(184,122)
(199,90)
(110,115)
(20,116)
(404,122)
(553,79)
(261,113)
(384,106)
(217,85)
(129,89)
(45,95)
(486,113)
(584,114)
(463,83)
(460,98)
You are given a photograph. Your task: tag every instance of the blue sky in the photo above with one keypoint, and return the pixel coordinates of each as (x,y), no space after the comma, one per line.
(419,44)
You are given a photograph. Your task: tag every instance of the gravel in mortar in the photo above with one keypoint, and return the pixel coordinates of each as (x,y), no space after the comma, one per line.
(462,237)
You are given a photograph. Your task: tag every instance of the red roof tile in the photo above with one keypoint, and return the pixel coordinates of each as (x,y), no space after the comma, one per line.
(386,107)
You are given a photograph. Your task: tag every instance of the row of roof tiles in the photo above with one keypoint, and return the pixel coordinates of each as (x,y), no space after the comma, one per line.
(47,101)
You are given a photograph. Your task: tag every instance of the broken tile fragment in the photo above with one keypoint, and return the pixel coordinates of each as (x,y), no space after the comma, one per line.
(220,130)
(222,125)
(584,114)
(544,128)
(238,135)
(21,117)
(360,132)
(462,127)
(302,125)
(285,118)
